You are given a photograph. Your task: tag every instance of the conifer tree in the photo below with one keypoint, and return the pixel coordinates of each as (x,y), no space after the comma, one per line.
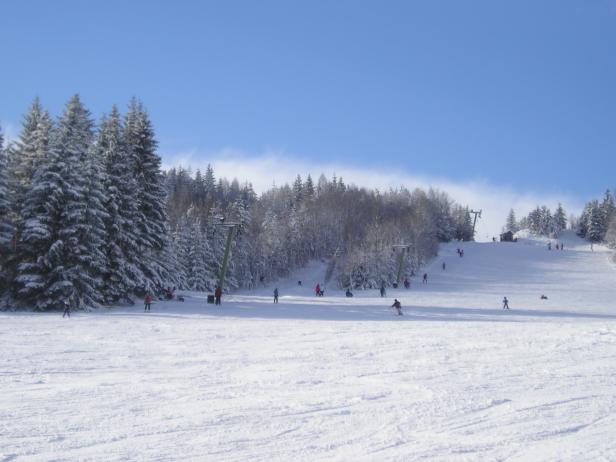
(560,219)
(6,224)
(512,224)
(595,224)
(150,195)
(308,187)
(61,256)
(121,274)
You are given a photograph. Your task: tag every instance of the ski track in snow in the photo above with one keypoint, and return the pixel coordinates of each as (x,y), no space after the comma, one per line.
(335,379)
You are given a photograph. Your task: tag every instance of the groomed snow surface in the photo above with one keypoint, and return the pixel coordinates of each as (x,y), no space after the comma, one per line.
(456,378)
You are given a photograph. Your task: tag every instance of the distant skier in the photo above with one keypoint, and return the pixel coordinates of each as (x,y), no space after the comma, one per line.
(425,278)
(543,297)
(218,295)
(317,289)
(299,283)
(276,295)
(67,310)
(349,293)
(147,301)
(549,246)
(461,252)
(443,266)
(407,284)
(505,303)
(557,246)
(397,306)
(382,290)
(562,246)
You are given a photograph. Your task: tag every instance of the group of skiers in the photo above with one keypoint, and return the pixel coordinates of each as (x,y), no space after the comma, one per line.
(560,246)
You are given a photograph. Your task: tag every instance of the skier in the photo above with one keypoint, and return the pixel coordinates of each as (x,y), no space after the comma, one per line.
(382,290)
(349,293)
(147,301)
(317,289)
(443,266)
(461,252)
(425,278)
(549,246)
(557,246)
(276,295)
(218,295)
(561,245)
(397,306)
(299,283)
(67,310)
(407,284)
(505,303)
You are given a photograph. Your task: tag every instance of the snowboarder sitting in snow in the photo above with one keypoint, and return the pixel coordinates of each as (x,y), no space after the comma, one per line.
(276,295)
(544,297)
(147,301)
(349,293)
(397,306)
(505,303)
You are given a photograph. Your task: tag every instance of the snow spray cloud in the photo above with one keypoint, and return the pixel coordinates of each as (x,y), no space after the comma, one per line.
(274,168)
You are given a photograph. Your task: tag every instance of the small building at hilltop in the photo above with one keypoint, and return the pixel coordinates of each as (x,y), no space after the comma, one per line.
(506,237)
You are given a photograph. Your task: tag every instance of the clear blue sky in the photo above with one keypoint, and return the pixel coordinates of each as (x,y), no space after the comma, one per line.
(518,92)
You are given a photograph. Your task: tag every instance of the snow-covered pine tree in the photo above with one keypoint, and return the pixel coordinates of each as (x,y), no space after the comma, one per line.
(150,217)
(60,260)
(608,208)
(240,269)
(308,188)
(122,274)
(6,223)
(298,190)
(512,224)
(209,182)
(559,219)
(464,224)
(595,223)
(199,278)
(29,150)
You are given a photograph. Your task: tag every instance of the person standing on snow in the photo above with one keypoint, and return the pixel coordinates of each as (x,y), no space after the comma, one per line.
(147,301)
(317,289)
(67,310)
(382,290)
(425,278)
(276,295)
(397,306)
(505,303)
(218,295)
(407,284)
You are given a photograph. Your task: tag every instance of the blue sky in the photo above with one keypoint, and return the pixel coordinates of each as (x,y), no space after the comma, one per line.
(518,94)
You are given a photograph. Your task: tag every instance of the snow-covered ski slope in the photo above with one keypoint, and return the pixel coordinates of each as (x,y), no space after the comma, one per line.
(456,378)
